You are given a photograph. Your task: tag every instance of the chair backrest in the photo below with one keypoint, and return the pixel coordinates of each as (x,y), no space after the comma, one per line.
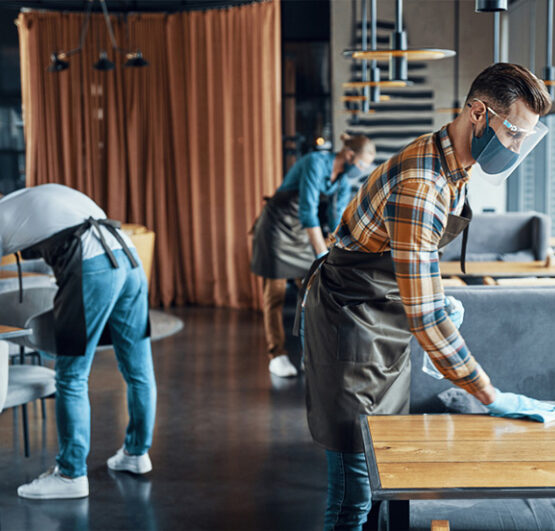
(42,337)
(35,300)
(4,369)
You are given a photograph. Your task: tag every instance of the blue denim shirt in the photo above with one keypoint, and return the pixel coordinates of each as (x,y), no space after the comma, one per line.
(311,176)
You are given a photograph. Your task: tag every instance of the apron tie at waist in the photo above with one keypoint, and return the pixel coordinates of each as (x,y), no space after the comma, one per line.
(112,227)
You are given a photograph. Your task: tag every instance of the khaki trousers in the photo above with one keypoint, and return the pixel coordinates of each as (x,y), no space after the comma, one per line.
(273,300)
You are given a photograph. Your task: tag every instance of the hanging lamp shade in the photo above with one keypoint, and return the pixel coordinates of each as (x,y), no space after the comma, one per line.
(362,84)
(411,54)
(355,99)
(103,64)
(57,63)
(135,60)
(489,6)
(399,53)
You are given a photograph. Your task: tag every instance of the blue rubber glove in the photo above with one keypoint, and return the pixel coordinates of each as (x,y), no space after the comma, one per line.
(455,310)
(323,253)
(513,406)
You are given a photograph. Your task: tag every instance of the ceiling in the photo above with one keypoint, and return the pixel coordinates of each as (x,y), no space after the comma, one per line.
(123,5)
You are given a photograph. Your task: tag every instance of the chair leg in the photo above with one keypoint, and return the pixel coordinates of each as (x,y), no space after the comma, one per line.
(25,430)
(21,354)
(43,408)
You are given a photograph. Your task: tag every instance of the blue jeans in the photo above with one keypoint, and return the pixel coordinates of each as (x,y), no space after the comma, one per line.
(117,297)
(349,496)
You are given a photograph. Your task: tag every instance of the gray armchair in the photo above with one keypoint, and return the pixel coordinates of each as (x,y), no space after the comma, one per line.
(25,383)
(509,237)
(21,384)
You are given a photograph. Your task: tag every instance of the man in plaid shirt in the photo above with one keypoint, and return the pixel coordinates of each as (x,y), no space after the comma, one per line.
(381,281)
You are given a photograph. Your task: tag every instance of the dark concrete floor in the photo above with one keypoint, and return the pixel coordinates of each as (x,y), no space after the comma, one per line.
(231,448)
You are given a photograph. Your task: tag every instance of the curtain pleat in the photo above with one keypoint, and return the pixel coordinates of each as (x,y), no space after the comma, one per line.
(187,146)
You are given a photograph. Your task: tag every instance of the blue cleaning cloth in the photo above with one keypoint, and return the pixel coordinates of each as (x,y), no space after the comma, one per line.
(511,405)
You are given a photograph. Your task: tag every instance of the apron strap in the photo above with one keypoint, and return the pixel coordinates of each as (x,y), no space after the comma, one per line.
(463,249)
(466,207)
(112,226)
(302,292)
(19,276)
(93,222)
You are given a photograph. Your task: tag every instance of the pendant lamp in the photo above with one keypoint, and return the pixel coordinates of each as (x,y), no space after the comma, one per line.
(489,6)
(58,59)
(398,53)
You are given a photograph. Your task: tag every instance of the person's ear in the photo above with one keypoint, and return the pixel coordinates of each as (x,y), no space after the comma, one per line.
(349,155)
(477,112)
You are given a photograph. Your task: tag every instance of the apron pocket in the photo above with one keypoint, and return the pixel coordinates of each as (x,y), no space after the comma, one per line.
(368,335)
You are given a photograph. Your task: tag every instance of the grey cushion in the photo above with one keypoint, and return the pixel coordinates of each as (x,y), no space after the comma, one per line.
(485,515)
(27,383)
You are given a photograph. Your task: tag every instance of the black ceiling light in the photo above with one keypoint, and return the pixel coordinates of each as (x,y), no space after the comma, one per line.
(57,63)
(103,64)
(135,59)
(59,59)
(488,6)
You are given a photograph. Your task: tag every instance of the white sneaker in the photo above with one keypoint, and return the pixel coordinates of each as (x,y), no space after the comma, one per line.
(53,486)
(281,366)
(138,464)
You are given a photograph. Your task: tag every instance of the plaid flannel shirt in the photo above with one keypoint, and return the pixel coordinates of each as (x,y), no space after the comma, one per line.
(403,208)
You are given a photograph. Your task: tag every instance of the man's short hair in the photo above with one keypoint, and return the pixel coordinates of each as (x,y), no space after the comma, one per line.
(501,84)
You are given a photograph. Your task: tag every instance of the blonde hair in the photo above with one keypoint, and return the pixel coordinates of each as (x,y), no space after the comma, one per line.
(358,143)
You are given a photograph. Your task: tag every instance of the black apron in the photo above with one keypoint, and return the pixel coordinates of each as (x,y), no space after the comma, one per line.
(357,354)
(63,253)
(280,247)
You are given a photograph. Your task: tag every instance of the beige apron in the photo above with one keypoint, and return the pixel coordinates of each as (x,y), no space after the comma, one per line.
(357,355)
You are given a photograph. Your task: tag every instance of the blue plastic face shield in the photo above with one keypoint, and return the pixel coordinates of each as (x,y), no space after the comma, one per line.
(502,146)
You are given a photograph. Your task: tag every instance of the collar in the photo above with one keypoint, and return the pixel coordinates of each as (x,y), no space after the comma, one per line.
(454,171)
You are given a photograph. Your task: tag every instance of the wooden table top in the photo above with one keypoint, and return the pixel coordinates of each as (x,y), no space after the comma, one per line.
(13,274)
(536,268)
(7,332)
(459,456)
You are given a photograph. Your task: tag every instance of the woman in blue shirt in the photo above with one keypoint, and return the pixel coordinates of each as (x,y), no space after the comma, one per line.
(289,233)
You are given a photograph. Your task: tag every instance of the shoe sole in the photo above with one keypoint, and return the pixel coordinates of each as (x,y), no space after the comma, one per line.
(59,497)
(129,469)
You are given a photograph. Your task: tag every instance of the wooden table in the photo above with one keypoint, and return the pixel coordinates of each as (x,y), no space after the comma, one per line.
(412,457)
(9,332)
(498,269)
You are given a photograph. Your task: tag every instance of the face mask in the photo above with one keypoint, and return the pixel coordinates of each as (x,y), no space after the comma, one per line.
(352,171)
(490,153)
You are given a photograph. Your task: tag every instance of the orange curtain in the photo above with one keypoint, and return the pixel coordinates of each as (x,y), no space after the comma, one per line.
(186,146)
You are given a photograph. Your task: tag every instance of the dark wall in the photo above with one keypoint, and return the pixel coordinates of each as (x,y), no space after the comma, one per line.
(12,147)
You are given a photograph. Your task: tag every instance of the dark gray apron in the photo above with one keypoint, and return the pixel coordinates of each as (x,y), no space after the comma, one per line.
(63,253)
(280,247)
(357,354)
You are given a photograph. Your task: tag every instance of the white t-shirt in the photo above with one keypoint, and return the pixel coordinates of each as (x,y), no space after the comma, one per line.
(31,215)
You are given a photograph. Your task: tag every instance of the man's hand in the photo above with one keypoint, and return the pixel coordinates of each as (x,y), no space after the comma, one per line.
(511,405)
